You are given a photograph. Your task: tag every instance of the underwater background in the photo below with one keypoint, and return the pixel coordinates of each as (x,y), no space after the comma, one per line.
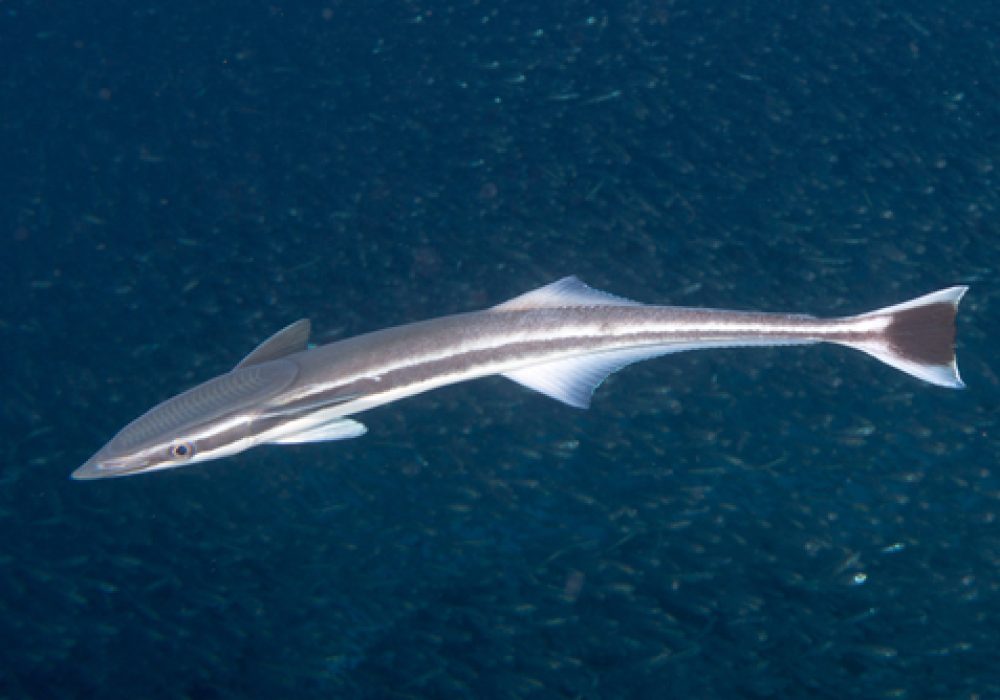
(180,180)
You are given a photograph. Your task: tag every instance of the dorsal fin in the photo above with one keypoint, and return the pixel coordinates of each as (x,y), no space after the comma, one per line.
(569,291)
(293,338)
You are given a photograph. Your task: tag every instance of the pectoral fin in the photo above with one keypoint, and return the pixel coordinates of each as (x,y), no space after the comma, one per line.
(338,429)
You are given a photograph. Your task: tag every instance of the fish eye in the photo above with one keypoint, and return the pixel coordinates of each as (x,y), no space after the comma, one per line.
(182,450)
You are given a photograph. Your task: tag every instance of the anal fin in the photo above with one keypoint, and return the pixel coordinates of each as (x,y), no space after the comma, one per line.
(574,380)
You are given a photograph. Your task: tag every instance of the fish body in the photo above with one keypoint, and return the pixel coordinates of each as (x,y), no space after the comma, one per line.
(562,340)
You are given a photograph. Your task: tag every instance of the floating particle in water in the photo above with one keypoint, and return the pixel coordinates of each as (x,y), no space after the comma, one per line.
(573,585)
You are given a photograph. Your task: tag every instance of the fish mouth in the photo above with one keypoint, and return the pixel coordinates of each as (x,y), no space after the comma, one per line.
(105,469)
(90,471)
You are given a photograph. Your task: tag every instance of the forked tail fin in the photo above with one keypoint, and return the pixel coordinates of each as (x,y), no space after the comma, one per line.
(917,336)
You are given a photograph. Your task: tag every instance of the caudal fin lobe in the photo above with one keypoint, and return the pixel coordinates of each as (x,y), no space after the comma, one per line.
(917,336)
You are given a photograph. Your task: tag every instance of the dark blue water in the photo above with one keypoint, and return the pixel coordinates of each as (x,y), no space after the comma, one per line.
(178,182)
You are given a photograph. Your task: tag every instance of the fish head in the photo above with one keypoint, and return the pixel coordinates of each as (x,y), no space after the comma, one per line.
(138,449)
(210,421)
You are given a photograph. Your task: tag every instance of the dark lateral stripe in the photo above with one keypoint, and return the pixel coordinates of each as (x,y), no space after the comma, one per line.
(378,369)
(537,351)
